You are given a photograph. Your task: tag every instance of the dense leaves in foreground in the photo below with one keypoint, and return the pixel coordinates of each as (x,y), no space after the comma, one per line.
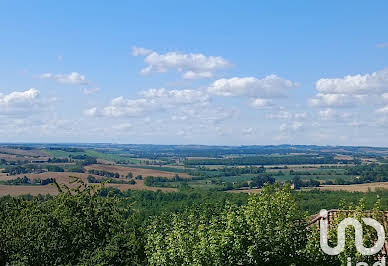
(94,226)
(75,227)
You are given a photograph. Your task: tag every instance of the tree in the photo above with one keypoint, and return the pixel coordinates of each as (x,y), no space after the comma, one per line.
(75,227)
(130,175)
(269,230)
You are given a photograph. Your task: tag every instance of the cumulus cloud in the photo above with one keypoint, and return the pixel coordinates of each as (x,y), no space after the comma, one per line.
(19,101)
(376,82)
(73,78)
(167,97)
(351,90)
(126,107)
(271,86)
(19,97)
(193,66)
(336,100)
(259,103)
(208,114)
(23,102)
(150,101)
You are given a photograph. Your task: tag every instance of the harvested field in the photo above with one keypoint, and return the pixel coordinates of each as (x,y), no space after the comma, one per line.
(14,157)
(245,190)
(343,157)
(357,187)
(31,153)
(123,170)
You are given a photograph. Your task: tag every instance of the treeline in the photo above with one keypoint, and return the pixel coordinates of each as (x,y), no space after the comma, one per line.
(17,170)
(31,168)
(103,173)
(369,172)
(26,181)
(159,181)
(92,179)
(58,160)
(81,227)
(268,160)
(366,173)
(225,171)
(35,168)
(66,149)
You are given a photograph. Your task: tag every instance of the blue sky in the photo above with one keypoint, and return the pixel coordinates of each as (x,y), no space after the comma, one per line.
(194,72)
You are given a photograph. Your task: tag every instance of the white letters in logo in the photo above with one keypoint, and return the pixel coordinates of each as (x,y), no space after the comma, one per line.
(358,232)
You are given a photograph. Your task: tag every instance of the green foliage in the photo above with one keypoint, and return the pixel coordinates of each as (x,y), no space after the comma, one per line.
(55,168)
(103,173)
(269,229)
(262,179)
(76,227)
(268,160)
(92,225)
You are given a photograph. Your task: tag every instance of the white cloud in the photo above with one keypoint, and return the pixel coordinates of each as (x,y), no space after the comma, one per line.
(285,115)
(376,82)
(193,66)
(139,51)
(74,78)
(352,90)
(122,127)
(151,100)
(269,87)
(173,97)
(126,107)
(91,111)
(197,75)
(327,114)
(280,115)
(90,91)
(259,103)
(293,126)
(19,97)
(210,114)
(330,114)
(20,102)
(336,100)
(23,103)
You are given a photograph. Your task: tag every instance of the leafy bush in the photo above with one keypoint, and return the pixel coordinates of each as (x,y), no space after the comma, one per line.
(75,227)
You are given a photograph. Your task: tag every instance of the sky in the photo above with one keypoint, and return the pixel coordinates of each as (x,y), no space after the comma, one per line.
(194,72)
